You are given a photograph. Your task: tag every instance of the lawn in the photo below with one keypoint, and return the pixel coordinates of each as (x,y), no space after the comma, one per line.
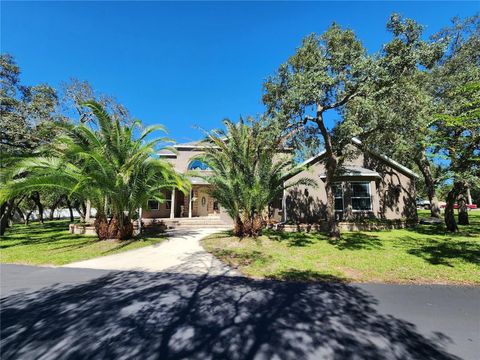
(424,254)
(52,244)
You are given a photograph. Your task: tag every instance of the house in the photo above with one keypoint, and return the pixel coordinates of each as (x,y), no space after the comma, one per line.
(369,185)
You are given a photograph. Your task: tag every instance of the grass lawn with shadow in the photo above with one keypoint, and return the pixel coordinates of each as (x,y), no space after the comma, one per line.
(424,254)
(52,244)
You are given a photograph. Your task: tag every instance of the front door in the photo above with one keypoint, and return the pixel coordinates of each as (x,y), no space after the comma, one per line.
(202,203)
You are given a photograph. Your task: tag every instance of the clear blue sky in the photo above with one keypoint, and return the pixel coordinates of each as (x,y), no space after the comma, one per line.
(186,64)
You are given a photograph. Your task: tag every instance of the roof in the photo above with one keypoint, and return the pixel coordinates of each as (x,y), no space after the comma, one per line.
(353,171)
(166,153)
(388,160)
(201,144)
(358,143)
(194,180)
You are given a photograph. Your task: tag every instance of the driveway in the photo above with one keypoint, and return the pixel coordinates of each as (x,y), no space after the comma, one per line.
(181,252)
(66,313)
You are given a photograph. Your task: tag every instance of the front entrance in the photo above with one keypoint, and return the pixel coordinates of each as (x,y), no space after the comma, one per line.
(203,202)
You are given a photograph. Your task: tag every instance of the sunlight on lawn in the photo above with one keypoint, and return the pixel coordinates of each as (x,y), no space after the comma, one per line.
(52,244)
(424,254)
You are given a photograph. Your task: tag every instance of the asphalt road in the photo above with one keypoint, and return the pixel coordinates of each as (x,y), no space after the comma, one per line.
(59,313)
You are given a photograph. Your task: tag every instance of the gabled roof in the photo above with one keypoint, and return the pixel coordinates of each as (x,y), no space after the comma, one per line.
(358,143)
(386,159)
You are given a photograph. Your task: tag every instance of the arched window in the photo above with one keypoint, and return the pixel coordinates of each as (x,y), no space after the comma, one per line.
(198,165)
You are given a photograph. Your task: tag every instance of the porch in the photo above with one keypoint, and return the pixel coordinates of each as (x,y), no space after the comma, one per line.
(196,204)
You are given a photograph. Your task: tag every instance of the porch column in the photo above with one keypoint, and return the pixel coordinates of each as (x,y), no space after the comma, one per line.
(140,214)
(284,204)
(190,204)
(172,205)
(88,211)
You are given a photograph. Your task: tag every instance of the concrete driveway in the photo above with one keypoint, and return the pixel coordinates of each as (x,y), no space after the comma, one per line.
(67,313)
(181,252)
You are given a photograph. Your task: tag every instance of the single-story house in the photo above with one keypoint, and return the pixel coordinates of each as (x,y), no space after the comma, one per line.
(369,185)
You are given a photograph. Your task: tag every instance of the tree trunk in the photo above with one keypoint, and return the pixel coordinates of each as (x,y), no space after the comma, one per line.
(238,227)
(36,199)
(5,214)
(101,226)
(69,205)
(450,222)
(331,163)
(424,166)
(26,217)
(54,207)
(462,209)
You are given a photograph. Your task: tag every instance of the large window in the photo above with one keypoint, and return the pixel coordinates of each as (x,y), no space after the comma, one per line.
(361,197)
(198,166)
(338,191)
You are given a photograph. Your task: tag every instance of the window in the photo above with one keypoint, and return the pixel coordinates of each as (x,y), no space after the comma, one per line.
(215,205)
(153,205)
(338,193)
(361,198)
(168,200)
(198,166)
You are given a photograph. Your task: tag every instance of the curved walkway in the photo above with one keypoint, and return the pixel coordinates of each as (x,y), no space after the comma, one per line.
(180,253)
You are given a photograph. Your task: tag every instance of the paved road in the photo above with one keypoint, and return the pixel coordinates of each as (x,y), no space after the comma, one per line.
(62,313)
(181,252)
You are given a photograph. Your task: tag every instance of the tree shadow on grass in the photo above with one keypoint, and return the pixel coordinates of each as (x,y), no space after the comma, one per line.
(472,230)
(298,239)
(357,241)
(443,252)
(177,316)
(235,258)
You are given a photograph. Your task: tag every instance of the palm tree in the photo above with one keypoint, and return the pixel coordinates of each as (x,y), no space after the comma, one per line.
(247,172)
(109,165)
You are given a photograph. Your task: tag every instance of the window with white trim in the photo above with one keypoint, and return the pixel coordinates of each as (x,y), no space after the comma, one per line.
(338,193)
(361,196)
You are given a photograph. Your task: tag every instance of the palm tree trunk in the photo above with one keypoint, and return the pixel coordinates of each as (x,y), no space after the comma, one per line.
(238,227)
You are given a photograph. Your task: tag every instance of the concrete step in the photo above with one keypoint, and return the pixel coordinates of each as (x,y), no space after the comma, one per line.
(186,227)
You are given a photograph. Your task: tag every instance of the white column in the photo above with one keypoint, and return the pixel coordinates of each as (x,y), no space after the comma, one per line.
(88,211)
(190,204)
(140,213)
(284,204)
(172,205)
(469,196)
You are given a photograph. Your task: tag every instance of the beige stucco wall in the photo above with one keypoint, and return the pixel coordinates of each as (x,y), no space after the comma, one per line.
(392,195)
(183,158)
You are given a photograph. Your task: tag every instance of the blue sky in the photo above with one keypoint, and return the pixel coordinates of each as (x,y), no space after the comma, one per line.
(187,64)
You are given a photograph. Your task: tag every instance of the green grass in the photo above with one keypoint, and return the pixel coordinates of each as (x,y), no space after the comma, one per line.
(52,244)
(424,254)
